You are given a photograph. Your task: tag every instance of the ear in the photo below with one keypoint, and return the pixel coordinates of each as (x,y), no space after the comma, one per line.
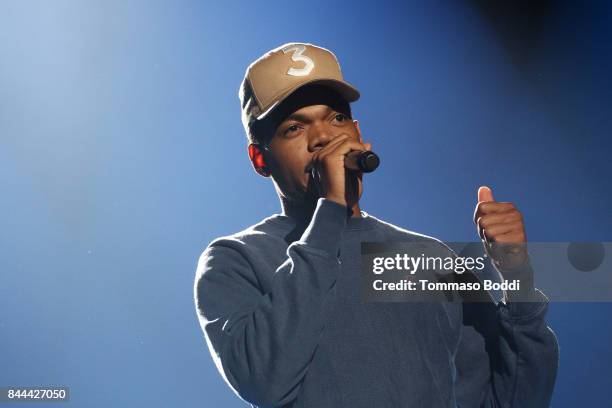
(258,160)
(356,122)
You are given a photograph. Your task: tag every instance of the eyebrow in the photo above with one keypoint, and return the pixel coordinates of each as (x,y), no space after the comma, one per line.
(302,118)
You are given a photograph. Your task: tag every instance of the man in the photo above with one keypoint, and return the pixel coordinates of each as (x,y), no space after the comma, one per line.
(279,302)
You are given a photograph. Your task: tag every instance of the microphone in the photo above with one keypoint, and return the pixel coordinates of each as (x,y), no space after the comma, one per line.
(364,161)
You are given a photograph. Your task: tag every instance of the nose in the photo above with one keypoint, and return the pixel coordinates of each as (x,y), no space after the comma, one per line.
(319,136)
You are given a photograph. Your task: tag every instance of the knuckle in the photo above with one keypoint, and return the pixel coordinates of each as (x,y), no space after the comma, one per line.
(503,240)
(515,215)
(512,216)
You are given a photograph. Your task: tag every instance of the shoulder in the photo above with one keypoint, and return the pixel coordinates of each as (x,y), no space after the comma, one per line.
(243,248)
(248,237)
(226,269)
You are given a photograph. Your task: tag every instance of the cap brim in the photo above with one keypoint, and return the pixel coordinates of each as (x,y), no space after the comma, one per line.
(346,90)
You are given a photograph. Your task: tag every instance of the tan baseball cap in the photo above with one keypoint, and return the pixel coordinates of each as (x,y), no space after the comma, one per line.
(270,79)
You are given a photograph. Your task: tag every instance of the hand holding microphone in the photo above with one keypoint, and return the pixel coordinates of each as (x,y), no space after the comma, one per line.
(330,164)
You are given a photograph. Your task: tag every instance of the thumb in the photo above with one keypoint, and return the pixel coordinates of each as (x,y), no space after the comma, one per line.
(485,194)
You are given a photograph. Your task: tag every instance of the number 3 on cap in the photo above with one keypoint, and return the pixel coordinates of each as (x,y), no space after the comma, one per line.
(297,57)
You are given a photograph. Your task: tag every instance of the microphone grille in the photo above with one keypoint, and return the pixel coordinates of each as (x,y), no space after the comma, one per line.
(368,161)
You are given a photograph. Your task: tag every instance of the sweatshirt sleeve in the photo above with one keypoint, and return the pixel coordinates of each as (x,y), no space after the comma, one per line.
(507,355)
(262,343)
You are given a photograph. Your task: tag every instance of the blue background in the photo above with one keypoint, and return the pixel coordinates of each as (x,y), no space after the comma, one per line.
(122,156)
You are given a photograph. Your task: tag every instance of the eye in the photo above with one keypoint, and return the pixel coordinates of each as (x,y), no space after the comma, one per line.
(340,117)
(291,129)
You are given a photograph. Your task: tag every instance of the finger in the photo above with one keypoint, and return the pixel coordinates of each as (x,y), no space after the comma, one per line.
(489,220)
(497,230)
(485,194)
(324,155)
(342,148)
(516,237)
(490,207)
(329,146)
(348,146)
(334,142)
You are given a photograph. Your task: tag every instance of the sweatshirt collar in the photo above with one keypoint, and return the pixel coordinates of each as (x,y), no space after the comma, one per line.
(366,221)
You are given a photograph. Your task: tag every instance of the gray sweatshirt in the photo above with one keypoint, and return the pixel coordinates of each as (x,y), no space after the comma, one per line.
(282,315)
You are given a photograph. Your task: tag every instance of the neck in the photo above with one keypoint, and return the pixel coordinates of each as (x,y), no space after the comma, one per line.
(303,210)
